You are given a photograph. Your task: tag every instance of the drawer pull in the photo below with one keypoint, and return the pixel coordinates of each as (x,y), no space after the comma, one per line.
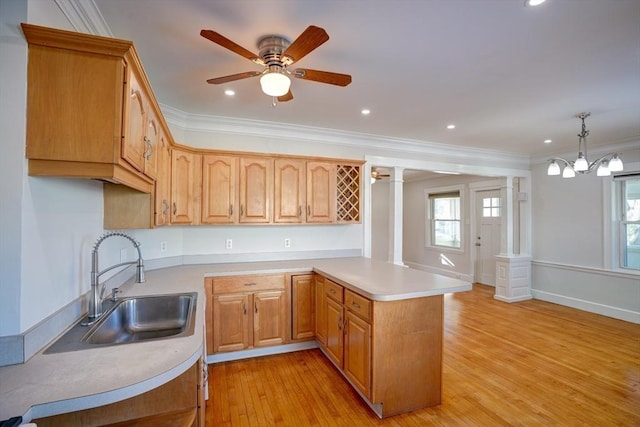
(355,304)
(250,284)
(332,291)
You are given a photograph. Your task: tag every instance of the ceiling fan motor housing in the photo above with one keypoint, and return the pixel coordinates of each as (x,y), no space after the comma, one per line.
(271,48)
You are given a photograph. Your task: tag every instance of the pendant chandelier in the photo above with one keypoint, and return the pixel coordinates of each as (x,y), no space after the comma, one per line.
(603,166)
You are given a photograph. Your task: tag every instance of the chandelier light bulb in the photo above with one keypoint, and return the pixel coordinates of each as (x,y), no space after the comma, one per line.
(568,172)
(275,84)
(603,169)
(615,164)
(581,164)
(554,168)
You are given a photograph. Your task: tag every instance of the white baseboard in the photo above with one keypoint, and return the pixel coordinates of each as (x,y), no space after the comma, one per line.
(592,307)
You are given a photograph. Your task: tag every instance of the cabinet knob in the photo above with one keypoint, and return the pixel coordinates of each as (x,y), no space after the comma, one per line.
(355,304)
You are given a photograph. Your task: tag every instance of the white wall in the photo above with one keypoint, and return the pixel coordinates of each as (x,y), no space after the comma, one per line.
(569,222)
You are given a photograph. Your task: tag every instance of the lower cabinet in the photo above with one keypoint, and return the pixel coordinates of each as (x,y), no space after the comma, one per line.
(246,312)
(403,372)
(303,307)
(180,402)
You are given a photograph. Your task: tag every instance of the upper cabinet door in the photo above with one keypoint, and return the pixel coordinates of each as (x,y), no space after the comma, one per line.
(219,175)
(321,192)
(151,140)
(185,176)
(289,191)
(133,145)
(256,193)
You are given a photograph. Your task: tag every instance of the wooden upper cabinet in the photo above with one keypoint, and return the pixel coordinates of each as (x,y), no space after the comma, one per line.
(321,192)
(256,191)
(78,104)
(289,191)
(185,185)
(219,195)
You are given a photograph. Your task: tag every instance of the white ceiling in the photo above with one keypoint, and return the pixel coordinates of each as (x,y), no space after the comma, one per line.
(508,76)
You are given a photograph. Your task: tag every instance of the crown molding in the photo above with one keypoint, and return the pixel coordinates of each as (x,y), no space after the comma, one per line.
(85,17)
(288,131)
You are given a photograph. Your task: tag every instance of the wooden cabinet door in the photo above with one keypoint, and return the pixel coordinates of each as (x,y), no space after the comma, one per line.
(269,318)
(335,335)
(321,192)
(231,322)
(163,182)
(302,307)
(133,145)
(151,141)
(321,312)
(256,178)
(185,171)
(289,191)
(219,175)
(357,352)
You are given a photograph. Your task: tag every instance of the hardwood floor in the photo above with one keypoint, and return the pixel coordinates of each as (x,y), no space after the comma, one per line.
(529,363)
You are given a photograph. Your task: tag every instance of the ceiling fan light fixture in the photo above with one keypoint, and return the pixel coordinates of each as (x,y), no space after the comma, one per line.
(275,84)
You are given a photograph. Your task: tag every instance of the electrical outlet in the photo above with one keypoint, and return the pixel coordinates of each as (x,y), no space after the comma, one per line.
(287,243)
(163,246)
(229,244)
(123,254)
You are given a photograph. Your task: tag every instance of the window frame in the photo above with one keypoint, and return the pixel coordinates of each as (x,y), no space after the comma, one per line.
(430,220)
(612,239)
(622,221)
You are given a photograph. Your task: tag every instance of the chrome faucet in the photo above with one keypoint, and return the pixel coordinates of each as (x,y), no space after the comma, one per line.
(97,291)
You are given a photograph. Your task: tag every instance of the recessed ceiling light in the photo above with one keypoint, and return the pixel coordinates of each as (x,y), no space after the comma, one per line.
(548,141)
(365,112)
(451,126)
(447,172)
(533,2)
(229,92)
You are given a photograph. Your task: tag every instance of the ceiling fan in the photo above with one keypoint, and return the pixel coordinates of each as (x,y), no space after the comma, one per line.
(377,175)
(276,54)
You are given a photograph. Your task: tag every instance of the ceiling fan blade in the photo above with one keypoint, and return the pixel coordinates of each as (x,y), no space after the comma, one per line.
(310,39)
(232,46)
(233,77)
(286,97)
(322,76)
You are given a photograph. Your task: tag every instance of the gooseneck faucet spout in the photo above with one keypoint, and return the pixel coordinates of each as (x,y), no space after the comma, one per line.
(97,291)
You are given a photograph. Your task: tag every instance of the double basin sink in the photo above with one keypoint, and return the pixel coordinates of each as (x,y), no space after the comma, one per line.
(133,319)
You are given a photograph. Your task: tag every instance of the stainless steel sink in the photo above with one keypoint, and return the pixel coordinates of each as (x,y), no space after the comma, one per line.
(134,319)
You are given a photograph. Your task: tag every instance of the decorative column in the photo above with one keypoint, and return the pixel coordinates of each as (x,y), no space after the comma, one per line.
(513,272)
(395,215)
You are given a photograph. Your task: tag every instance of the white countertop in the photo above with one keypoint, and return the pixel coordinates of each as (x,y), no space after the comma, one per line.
(63,382)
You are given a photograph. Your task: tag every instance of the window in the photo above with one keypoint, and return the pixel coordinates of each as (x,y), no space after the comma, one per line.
(630,223)
(444,210)
(491,207)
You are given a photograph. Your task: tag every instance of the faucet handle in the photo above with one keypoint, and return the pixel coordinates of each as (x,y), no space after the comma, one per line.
(114,292)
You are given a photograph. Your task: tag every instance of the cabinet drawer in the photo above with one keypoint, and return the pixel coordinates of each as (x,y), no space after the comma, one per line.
(229,284)
(333,290)
(357,304)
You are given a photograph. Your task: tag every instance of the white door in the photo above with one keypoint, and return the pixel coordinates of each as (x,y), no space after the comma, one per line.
(487,244)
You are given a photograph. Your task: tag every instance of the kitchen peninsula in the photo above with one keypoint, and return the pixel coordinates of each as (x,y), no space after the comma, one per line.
(399,297)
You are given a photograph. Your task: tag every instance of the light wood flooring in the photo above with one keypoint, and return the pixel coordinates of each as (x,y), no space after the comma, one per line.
(530,363)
